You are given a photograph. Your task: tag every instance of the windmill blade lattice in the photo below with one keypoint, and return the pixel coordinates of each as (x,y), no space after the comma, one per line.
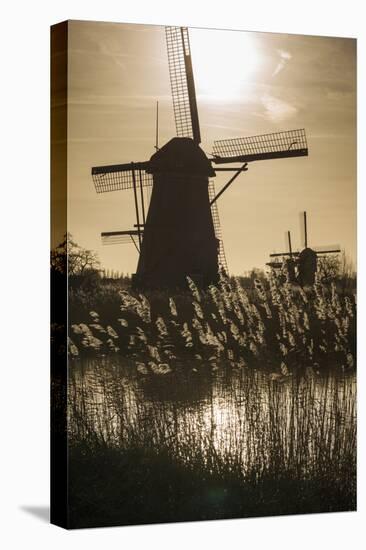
(119,237)
(119,177)
(291,143)
(182,83)
(330,249)
(217,226)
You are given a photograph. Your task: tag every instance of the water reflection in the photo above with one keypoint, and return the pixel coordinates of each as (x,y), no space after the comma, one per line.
(225,419)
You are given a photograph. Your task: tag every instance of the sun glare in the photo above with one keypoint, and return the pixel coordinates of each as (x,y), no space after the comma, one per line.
(224,62)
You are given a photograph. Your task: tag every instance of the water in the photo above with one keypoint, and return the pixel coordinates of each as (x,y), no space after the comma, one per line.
(241,419)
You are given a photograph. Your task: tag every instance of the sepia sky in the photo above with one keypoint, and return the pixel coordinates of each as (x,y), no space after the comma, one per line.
(247,83)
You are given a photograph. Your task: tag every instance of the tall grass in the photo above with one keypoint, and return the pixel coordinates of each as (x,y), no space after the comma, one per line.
(276,324)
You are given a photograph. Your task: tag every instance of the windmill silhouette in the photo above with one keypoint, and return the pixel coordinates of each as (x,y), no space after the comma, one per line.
(290,261)
(305,260)
(178,234)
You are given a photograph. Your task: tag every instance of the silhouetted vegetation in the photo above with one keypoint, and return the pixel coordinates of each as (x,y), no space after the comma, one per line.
(233,401)
(207,445)
(274,324)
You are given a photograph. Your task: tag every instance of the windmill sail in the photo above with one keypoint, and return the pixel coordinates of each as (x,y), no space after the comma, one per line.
(121,237)
(327,249)
(119,177)
(182,83)
(217,226)
(280,254)
(268,146)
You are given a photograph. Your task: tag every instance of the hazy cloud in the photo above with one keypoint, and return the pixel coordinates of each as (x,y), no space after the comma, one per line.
(277,109)
(284,58)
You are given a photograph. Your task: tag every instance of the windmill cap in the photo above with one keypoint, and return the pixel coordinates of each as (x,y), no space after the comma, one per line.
(183,156)
(307,253)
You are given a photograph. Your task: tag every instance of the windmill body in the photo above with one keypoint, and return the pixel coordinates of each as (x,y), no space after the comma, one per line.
(307,266)
(178,234)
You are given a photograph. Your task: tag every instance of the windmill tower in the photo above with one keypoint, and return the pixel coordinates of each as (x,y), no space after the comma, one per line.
(305,260)
(179,234)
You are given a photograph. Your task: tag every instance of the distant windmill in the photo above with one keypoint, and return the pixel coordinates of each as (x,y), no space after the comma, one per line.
(306,260)
(290,261)
(179,234)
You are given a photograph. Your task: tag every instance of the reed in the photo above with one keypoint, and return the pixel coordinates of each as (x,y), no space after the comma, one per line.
(277,325)
(243,431)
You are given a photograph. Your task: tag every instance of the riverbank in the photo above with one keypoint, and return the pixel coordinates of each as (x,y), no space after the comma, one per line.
(112,487)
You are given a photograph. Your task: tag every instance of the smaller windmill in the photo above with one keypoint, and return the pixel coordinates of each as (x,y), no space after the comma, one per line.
(290,260)
(305,261)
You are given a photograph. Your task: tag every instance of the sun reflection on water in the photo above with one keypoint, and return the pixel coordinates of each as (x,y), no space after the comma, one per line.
(241,419)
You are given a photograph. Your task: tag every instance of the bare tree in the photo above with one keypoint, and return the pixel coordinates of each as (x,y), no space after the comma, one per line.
(338,267)
(328,268)
(347,268)
(69,257)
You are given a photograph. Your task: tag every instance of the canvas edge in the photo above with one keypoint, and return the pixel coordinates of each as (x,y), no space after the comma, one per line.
(59,299)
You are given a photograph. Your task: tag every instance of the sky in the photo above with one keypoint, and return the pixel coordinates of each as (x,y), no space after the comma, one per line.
(247,83)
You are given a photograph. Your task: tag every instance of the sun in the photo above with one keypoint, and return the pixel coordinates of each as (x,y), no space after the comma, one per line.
(224,62)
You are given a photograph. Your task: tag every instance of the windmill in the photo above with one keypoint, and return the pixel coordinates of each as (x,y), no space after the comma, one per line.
(178,233)
(306,260)
(290,261)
